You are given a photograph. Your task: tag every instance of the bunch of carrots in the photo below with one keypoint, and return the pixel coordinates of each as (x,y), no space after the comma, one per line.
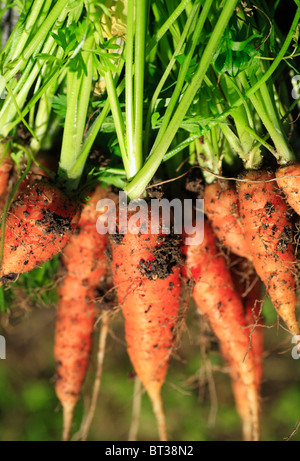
(53,208)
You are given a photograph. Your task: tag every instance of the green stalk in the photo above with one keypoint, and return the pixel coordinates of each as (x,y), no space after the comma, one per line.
(78,166)
(23,86)
(58,70)
(118,120)
(111,91)
(84,95)
(284,154)
(13,38)
(242,143)
(40,117)
(20,91)
(136,187)
(182,74)
(179,50)
(68,143)
(36,42)
(242,115)
(129,110)
(78,95)
(167,25)
(162,13)
(180,147)
(280,56)
(136,161)
(29,25)
(14,102)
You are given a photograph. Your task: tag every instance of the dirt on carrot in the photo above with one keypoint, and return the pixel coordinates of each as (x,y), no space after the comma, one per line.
(146,275)
(221,206)
(269,234)
(39,224)
(288,179)
(215,295)
(86,267)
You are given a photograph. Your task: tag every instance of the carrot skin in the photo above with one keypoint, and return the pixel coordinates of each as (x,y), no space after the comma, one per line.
(245,279)
(290,184)
(148,284)
(74,324)
(149,302)
(38,226)
(86,263)
(269,235)
(221,206)
(5,170)
(6,167)
(248,285)
(255,322)
(215,295)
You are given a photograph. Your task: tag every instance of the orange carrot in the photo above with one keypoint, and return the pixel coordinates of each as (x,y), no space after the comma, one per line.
(36,172)
(86,264)
(269,235)
(146,274)
(288,179)
(215,295)
(39,225)
(222,209)
(247,285)
(6,165)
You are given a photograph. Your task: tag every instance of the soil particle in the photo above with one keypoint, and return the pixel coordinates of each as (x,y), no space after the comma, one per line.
(269,208)
(54,224)
(11,277)
(148,309)
(285,239)
(194,183)
(155,192)
(166,257)
(117,238)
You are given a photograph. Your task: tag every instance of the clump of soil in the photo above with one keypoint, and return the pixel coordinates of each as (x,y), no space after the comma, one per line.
(54,224)
(167,255)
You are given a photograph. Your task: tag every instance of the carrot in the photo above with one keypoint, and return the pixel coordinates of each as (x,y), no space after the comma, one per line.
(146,274)
(86,264)
(247,285)
(222,209)
(269,235)
(39,225)
(288,179)
(6,165)
(215,295)
(46,163)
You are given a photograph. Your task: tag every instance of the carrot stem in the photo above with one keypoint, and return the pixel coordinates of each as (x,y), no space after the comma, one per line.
(137,186)
(142,9)
(36,42)
(129,76)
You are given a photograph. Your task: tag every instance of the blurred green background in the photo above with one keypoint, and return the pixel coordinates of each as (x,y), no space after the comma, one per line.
(197,394)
